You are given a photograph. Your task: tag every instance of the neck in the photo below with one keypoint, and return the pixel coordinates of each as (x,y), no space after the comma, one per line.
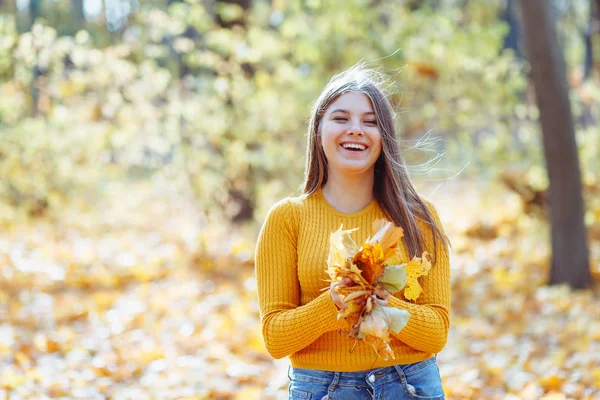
(349,194)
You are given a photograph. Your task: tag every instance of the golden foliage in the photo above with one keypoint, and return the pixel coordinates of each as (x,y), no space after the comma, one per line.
(415,268)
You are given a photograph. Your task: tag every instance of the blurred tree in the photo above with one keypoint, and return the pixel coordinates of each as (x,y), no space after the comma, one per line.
(8,6)
(570,262)
(72,20)
(78,14)
(513,37)
(228,14)
(233,114)
(34,89)
(592,30)
(414,5)
(34,11)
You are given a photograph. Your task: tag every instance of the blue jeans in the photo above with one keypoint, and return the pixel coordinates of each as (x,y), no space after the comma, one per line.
(420,380)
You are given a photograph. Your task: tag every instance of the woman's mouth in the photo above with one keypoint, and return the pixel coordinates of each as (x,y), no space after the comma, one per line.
(356,147)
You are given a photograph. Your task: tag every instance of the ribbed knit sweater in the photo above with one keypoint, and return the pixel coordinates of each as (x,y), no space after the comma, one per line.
(299,318)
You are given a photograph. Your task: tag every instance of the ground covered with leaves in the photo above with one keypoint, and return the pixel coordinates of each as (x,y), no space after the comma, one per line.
(140,297)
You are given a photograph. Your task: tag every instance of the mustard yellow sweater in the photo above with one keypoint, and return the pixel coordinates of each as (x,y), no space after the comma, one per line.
(299,319)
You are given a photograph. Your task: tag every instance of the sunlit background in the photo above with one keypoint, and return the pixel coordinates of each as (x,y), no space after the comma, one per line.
(142,143)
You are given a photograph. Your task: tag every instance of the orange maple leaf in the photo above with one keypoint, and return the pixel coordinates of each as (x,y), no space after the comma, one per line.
(370,261)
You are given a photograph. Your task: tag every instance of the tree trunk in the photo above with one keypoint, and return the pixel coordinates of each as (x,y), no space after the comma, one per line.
(78,12)
(588,60)
(589,36)
(34,90)
(512,40)
(34,11)
(570,262)
(77,17)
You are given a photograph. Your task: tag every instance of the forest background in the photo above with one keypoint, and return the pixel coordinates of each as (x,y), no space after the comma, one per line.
(142,143)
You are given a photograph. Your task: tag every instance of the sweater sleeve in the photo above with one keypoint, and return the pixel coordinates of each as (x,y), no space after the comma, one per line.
(429,322)
(287,326)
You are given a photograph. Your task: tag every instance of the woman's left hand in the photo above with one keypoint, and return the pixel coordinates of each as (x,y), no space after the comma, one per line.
(382,296)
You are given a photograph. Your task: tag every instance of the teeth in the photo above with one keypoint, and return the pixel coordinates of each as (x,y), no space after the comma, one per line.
(353,146)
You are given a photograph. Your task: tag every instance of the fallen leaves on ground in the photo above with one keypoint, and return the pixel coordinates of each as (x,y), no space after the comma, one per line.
(146,300)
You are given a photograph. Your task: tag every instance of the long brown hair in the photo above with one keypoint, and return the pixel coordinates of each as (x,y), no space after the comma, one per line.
(392,187)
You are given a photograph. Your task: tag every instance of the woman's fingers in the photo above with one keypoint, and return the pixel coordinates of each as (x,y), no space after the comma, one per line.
(380,302)
(360,301)
(381,293)
(381,297)
(337,300)
(346,282)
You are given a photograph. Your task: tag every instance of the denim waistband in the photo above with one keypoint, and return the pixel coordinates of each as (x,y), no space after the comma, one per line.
(359,377)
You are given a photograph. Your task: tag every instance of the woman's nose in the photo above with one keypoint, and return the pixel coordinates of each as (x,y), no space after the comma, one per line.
(355,130)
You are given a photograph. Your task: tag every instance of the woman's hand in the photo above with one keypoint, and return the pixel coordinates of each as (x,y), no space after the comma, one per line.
(337,299)
(382,296)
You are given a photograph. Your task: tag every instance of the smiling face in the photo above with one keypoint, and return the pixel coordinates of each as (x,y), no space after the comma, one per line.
(350,134)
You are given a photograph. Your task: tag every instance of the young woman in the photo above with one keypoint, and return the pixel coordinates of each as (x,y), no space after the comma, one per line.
(354,175)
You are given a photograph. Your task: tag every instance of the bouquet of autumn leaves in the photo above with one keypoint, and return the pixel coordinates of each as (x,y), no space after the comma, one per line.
(375,276)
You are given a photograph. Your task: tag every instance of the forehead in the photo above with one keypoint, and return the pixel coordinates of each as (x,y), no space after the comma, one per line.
(352,102)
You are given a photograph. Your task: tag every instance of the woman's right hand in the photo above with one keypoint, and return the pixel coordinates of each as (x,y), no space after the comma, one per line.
(337,299)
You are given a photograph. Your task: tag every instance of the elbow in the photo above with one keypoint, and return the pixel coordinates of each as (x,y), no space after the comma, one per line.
(273,346)
(273,349)
(439,335)
(439,344)
(276,353)
(434,346)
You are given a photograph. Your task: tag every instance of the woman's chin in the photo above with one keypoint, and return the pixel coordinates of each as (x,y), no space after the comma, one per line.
(354,168)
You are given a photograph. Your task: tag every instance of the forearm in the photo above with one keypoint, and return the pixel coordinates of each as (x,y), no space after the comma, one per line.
(287,331)
(427,328)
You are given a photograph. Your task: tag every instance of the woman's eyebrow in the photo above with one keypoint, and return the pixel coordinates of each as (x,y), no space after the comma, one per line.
(347,112)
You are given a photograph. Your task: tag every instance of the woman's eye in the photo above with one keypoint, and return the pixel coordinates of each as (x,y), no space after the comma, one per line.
(340,119)
(371,122)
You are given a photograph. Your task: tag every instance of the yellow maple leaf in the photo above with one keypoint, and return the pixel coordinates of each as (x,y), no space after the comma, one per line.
(415,268)
(387,235)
